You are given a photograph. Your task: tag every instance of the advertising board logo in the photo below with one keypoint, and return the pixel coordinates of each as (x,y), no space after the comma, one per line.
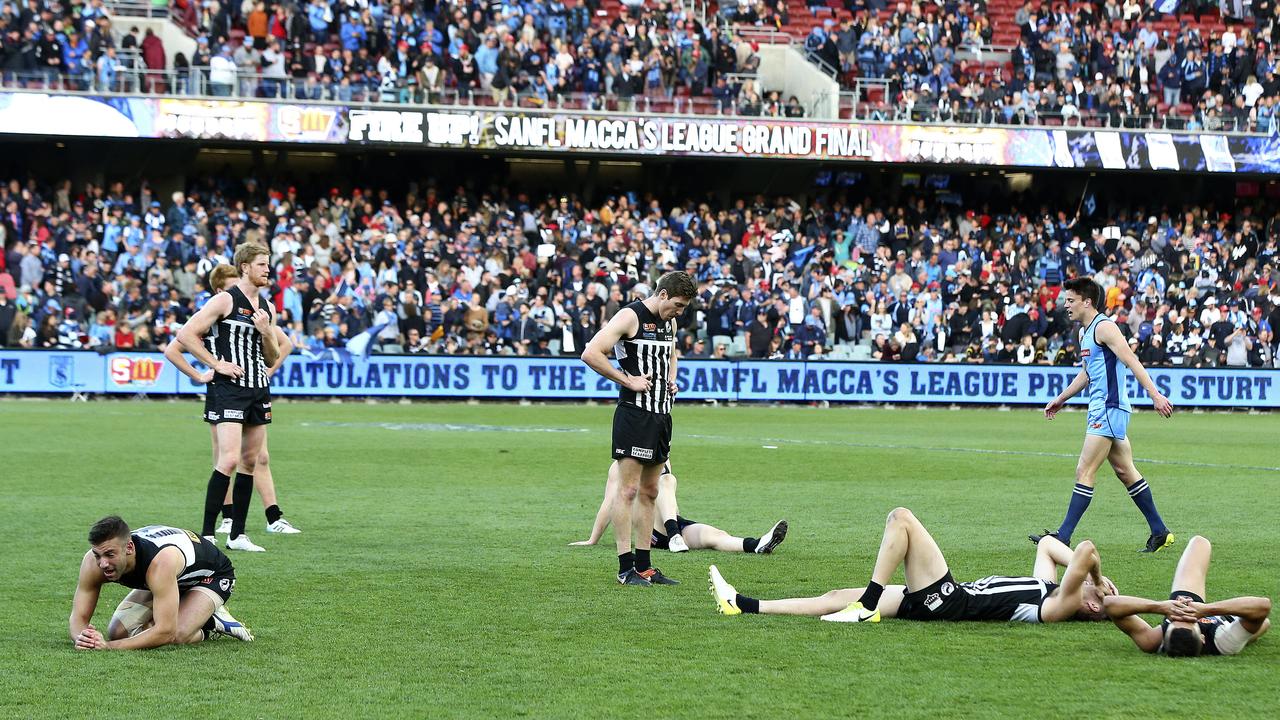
(305,123)
(62,371)
(135,371)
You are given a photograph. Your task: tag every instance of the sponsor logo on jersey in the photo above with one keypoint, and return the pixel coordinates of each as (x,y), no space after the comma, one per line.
(194,537)
(267,415)
(135,371)
(233,414)
(947,588)
(1096,425)
(933,602)
(244,311)
(649,336)
(649,327)
(640,453)
(1084,353)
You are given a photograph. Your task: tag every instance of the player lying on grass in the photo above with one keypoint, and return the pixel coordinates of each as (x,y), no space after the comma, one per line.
(1192,626)
(932,594)
(180,585)
(673,532)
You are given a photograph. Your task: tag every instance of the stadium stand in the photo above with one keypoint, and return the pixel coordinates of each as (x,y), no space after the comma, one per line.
(464,273)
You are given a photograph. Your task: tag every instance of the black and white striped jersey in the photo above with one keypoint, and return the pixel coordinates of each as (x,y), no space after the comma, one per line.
(201,558)
(236,339)
(999,597)
(648,352)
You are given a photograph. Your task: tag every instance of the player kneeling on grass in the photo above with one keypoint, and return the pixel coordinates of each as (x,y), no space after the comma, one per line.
(180,585)
(1191,626)
(932,594)
(673,532)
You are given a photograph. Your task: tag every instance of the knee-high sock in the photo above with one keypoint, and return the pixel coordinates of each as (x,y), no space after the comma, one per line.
(241,494)
(213,496)
(1140,492)
(1081,496)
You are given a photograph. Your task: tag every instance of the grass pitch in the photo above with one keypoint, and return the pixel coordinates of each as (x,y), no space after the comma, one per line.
(433,577)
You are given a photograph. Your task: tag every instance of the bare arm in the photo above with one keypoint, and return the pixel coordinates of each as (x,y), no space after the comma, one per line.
(173,353)
(1109,335)
(596,353)
(286,349)
(191,334)
(602,515)
(162,580)
(1255,609)
(88,587)
(1051,553)
(266,328)
(1123,611)
(1078,384)
(1085,564)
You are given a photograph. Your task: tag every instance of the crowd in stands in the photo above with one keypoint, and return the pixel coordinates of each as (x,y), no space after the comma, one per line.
(444,270)
(1103,62)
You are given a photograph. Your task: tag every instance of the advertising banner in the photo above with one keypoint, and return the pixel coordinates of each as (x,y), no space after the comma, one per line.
(569,379)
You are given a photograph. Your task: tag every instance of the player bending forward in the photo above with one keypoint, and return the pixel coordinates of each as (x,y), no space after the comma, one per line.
(678,534)
(1191,626)
(932,594)
(180,585)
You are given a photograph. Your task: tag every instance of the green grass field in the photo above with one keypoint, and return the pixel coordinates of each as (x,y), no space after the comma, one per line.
(433,577)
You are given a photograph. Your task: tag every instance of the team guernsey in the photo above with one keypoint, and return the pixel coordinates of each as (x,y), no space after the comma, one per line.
(642,421)
(204,565)
(235,339)
(1109,406)
(996,597)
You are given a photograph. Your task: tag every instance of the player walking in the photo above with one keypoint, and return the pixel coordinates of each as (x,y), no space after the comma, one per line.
(1102,350)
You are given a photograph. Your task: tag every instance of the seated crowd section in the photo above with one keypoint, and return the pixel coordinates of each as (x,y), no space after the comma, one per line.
(443,271)
(1162,63)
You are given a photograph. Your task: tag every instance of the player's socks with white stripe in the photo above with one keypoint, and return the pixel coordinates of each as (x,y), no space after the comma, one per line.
(1081,496)
(1140,493)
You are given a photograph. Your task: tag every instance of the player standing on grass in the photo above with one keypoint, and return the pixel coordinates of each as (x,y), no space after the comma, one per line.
(221,279)
(1102,350)
(931,593)
(239,404)
(180,585)
(672,531)
(1192,627)
(642,338)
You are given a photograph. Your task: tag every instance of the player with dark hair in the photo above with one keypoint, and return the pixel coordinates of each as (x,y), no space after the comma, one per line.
(642,339)
(221,279)
(931,593)
(1192,626)
(672,531)
(244,346)
(180,583)
(1103,349)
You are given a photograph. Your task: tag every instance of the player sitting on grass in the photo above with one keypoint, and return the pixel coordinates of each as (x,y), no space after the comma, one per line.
(932,594)
(678,534)
(181,583)
(1191,626)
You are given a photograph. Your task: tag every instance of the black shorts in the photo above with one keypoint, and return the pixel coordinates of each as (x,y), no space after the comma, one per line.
(225,402)
(943,600)
(221,583)
(659,541)
(641,435)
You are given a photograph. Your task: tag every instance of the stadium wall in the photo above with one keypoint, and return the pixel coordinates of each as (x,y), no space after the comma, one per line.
(507,378)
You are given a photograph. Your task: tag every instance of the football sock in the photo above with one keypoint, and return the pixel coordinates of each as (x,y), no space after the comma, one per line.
(673,528)
(241,493)
(213,495)
(626,561)
(749,544)
(1140,492)
(274,513)
(227,509)
(871,596)
(642,560)
(1081,496)
(207,628)
(746,604)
